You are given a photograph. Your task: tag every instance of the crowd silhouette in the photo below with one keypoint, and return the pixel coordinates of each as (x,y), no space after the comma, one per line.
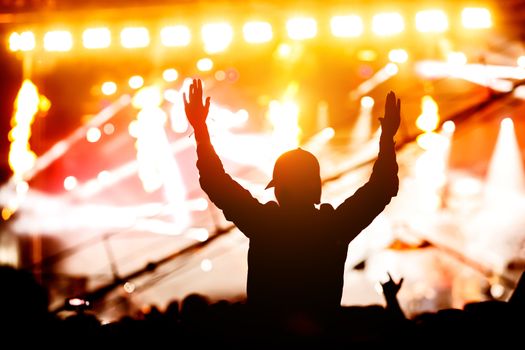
(296,262)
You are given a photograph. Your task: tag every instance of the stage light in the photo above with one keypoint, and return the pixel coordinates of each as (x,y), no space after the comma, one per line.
(431,21)
(367,102)
(204,64)
(96,38)
(136,82)
(301,28)
(284,50)
(170,75)
(284,118)
(505,175)
(387,24)
(24,41)
(476,18)
(58,40)
(257,32)
(109,88)
(429,118)
(70,183)
(216,37)
(173,36)
(206,265)
(147,97)
(93,134)
(449,127)
(398,55)
(44,104)
(367,55)
(346,26)
(521,61)
(134,37)
(21,158)
(457,58)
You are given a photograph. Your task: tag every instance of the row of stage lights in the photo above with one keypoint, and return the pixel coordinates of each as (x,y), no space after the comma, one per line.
(218,36)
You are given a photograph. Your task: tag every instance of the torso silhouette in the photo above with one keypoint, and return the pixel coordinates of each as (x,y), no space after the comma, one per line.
(296,257)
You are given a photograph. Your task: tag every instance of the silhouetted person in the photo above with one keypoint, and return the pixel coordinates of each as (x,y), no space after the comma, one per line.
(297,252)
(390,290)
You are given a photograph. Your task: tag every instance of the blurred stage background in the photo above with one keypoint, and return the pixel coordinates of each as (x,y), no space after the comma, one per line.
(100,193)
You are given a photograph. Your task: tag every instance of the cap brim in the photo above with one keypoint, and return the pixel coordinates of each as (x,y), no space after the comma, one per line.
(270,184)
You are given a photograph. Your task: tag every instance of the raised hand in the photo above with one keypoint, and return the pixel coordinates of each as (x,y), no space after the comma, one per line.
(196,111)
(391,288)
(390,123)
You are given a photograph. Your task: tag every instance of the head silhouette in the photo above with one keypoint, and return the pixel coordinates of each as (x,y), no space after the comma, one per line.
(297,179)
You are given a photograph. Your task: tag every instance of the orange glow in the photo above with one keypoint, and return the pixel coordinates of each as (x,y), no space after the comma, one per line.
(346,26)
(134,37)
(24,41)
(387,24)
(429,118)
(173,36)
(398,55)
(204,64)
(216,37)
(21,158)
(301,28)
(431,21)
(476,18)
(96,38)
(58,40)
(108,88)
(257,32)
(136,82)
(170,75)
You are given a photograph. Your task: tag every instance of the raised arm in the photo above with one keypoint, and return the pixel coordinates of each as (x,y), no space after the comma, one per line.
(236,202)
(359,210)
(390,290)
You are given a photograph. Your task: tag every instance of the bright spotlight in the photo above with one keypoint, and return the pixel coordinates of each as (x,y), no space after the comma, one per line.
(398,56)
(448,127)
(170,75)
(93,134)
(257,32)
(109,88)
(70,183)
(173,36)
(96,38)
(147,97)
(58,40)
(387,24)
(346,26)
(301,28)
(216,36)
(204,64)
(431,21)
(24,41)
(136,82)
(367,102)
(476,18)
(134,37)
